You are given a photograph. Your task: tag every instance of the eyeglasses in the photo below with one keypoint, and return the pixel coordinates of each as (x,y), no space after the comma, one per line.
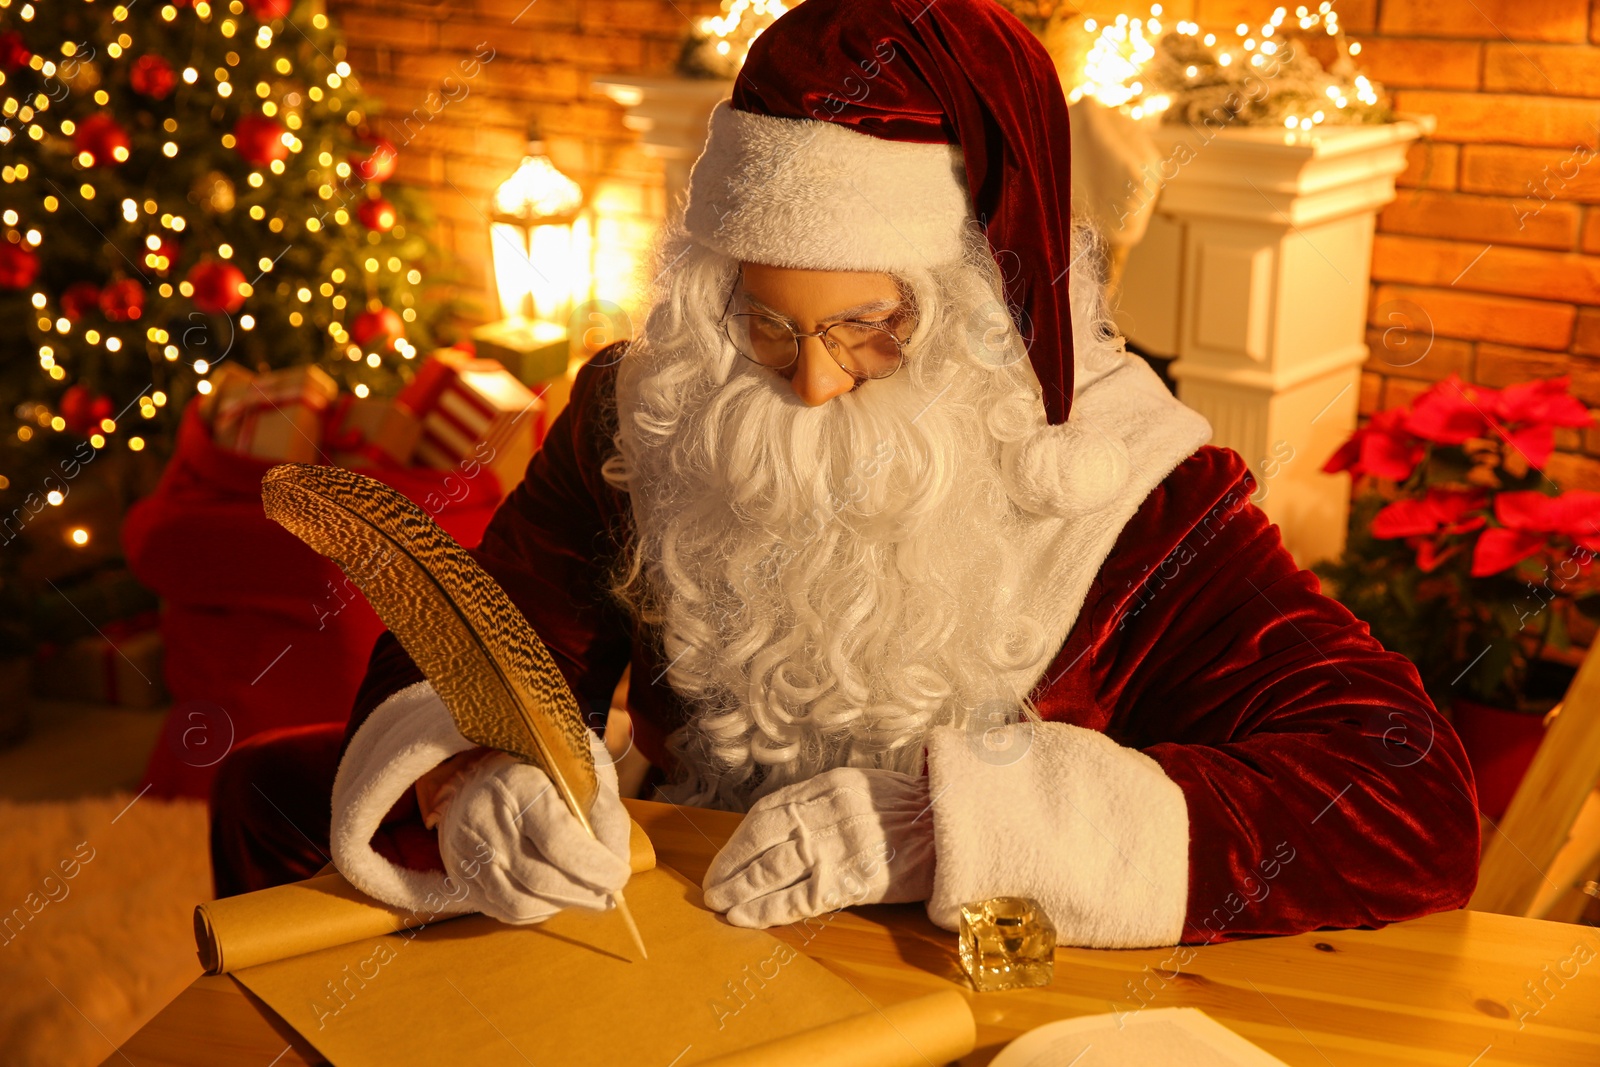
(863,350)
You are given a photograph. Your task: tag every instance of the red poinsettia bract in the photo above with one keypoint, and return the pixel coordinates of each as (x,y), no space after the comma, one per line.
(1528,519)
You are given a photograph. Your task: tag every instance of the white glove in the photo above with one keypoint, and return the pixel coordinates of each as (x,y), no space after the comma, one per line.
(505,829)
(846,836)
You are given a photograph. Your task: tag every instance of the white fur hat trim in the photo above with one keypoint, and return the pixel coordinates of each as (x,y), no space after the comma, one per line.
(812,194)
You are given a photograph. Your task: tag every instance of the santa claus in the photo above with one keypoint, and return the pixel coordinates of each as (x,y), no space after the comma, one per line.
(912,563)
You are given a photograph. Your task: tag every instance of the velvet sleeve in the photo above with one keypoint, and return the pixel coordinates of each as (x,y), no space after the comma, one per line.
(1323,788)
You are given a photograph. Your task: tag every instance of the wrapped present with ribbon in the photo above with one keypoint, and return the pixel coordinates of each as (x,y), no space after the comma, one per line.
(120,665)
(277,415)
(369,432)
(474,414)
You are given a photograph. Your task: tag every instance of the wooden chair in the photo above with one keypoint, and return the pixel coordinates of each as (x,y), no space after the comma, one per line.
(1535,862)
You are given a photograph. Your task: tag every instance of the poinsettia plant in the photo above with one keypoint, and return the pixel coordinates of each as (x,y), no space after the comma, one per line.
(1463,555)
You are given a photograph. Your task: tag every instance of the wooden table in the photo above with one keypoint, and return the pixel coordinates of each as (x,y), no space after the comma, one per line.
(1464,989)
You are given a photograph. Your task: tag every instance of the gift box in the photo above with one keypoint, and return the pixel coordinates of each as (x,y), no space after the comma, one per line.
(367,432)
(473,414)
(121,665)
(277,415)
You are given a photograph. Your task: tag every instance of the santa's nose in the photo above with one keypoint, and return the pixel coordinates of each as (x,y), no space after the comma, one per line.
(817,379)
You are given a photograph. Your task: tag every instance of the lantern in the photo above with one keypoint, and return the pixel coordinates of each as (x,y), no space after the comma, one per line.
(536,264)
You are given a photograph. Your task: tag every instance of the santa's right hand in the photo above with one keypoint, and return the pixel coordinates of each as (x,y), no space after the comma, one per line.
(509,837)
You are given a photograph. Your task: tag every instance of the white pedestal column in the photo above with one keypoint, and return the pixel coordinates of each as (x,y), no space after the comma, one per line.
(1254,275)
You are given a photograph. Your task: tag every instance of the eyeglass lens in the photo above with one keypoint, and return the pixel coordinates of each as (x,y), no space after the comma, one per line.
(860,348)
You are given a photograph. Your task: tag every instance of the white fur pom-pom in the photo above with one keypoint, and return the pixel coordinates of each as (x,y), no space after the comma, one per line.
(1068,469)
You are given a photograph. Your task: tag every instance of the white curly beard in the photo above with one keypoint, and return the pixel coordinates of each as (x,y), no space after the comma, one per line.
(828,582)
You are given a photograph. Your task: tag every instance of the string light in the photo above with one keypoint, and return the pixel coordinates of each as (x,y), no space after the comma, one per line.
(1122,51)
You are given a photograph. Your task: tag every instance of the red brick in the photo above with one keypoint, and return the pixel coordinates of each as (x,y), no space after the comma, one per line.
(411,35)
(1504,118)
(1574,472)
(1590,241)
(1475,316)
(1482,218)
(1400,392)
(1487,268)
(1399,62)
(1430,165)
(1506,365)
(1371,391)
(1518,20)
(1586,336)
(1554,69)
(1394,351)
(1535,175)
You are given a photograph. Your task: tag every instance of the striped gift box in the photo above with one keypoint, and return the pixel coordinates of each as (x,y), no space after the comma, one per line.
(473,413)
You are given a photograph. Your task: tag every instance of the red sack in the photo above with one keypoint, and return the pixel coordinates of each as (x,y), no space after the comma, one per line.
(260,631)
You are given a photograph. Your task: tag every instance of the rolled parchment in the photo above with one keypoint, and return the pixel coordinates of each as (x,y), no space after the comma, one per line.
(936,1028)
(290,920)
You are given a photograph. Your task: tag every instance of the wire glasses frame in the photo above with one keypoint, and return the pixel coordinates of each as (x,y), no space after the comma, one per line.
(863,350)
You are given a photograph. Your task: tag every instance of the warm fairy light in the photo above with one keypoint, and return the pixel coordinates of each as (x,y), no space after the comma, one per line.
(203,386)
(54,497)
(1122,49)
(80,536)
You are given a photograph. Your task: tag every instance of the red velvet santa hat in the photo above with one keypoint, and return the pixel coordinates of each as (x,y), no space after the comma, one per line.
(864,134)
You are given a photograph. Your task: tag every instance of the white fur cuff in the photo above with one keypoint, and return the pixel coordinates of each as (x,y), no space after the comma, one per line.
(405,737)
(1095,832)
(814,194)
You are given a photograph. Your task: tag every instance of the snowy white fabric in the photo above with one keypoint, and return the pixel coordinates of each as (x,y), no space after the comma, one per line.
(1095,832)
(493,857)
(508,834)
(816,195)
(405,737)
(846,836)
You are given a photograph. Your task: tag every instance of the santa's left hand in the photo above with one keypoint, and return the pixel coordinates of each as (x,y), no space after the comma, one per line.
(847,836)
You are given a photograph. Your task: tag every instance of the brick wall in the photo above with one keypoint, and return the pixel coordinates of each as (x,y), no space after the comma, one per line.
(459,80)
(1489,260)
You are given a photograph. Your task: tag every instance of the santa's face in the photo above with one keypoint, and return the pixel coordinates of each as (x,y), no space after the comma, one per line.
(773,306)
(830,559)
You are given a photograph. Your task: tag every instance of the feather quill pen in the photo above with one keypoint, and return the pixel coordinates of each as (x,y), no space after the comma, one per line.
(488,666)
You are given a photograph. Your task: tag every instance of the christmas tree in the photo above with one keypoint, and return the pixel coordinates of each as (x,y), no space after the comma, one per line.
(186,184)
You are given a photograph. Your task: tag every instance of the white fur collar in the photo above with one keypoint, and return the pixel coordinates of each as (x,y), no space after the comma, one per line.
(1087,477)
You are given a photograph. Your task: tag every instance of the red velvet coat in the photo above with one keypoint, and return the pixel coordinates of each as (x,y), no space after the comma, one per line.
(1323,788)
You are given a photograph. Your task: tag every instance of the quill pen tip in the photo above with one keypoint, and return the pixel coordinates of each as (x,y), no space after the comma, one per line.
(633,927)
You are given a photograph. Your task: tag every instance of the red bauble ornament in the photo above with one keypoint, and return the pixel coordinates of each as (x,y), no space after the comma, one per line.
(259,140)
(79,299)
(152,76)
(100,409)
(101,137)
(75,408)
(377,214)
(371,325)
(18,266)
(378,164)
(218,287)
(122,300)
(267,10)
(13,53)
